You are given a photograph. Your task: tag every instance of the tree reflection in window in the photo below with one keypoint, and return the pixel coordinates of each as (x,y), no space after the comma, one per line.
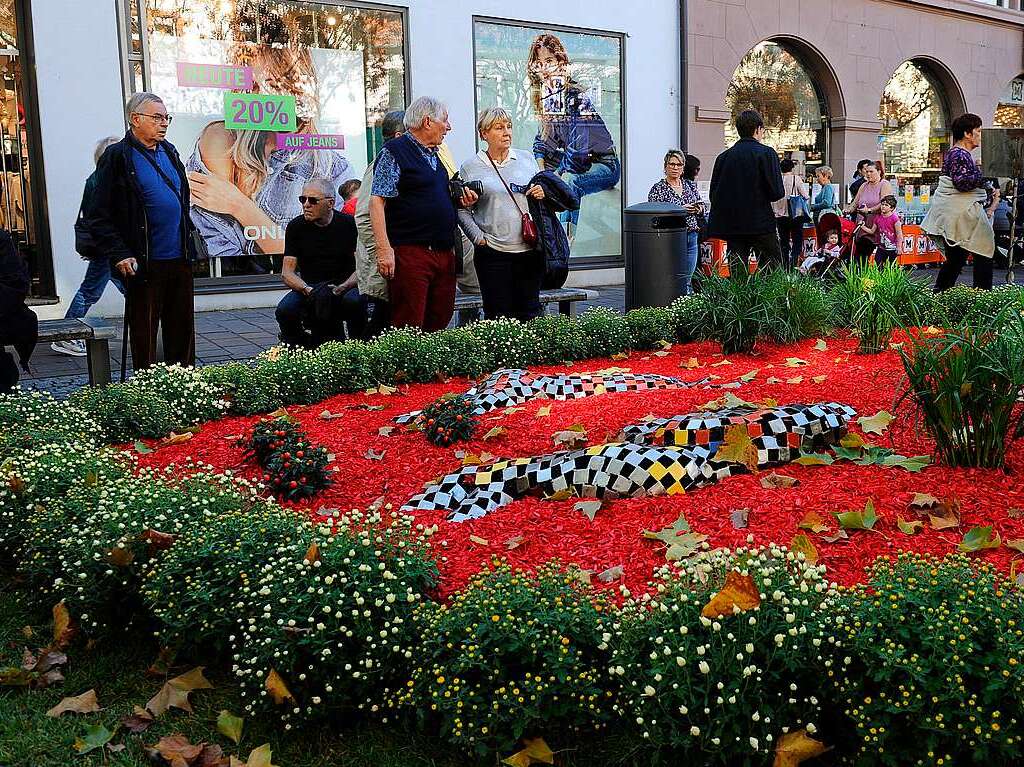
(915,121)
(772,80)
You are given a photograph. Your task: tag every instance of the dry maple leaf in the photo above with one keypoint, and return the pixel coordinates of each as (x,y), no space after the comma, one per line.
(536,751)
(802,545)
(175,692)
(515,542)
(479,541)
(258,757)
(612,574)
(85,703)
(278,689)
(177,750)
(774,480)
(812,521)
(796,747)
(737,447)
(739,592)
(63,628)
(312,553)
(138,721)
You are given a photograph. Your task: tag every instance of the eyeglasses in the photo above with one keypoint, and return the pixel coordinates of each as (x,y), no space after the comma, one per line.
(303,199)
(163,119)
(673,165)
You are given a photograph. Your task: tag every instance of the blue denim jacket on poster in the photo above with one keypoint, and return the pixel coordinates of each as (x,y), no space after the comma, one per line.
(288,172)
(574,135)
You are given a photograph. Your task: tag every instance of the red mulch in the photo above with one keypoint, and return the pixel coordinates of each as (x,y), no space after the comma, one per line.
(555,529)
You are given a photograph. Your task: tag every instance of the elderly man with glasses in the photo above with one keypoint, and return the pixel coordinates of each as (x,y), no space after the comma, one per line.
(320,268)
(138,217)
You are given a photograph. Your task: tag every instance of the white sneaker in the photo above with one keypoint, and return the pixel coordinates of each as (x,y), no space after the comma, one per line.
(72,348)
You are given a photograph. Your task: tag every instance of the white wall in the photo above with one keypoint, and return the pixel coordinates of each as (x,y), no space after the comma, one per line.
(79,83)
(78,79)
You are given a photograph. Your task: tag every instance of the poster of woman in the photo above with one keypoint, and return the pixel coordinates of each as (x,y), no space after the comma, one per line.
(565,91)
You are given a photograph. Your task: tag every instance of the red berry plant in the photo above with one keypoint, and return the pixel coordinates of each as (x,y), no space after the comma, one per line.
(448,419)
(292,468)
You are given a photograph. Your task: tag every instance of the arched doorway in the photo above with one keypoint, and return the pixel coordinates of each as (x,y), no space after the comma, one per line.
(915,111)
(779,80)
(1010,109)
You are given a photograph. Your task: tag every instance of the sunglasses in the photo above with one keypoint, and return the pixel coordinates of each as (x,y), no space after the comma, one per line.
(311,200)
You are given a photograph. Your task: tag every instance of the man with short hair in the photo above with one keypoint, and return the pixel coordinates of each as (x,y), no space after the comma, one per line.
(858,177)
(138,216)
(320,268)
(746,181)
(412,214)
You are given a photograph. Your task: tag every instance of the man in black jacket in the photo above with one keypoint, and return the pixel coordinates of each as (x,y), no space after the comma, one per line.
(139,217)
(744,184)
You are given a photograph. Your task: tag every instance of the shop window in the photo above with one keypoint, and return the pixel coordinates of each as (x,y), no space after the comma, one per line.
(325,75)
(774,80)
(1010,109)
(20,174)
(915,125)
(563,89)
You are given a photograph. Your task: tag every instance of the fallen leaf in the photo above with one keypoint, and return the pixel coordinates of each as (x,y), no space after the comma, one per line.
(543,411)
(738,594)
(515,542)
(96,736)
(497,431)
(877,423)
(942,515)
(177,750)
(858,520)
(820,345)
(618,356)
(535,752)
(923,501)
(175,692)
(812,521)
(819,379)
(589,508)
(612,574)
(385,431)
(373,455)
(840,535)
(802,545)
(774,481)
(581,575)
(142,449)
(913,463)
(573,438)
(661,354)
(773,380)
(931,330)
(513,409)
(797,380)
(559,495)
(909,527)
(312,553)
(794,362)
(1015,513)
(479,541)
(796,747)
(690,363)
(258,757)
(737,447)
(157,540)
(115,748)
(815,459)
(978,539)
(738,517)
(230,726)
(684,546)
(1017,544)
(63,629)
(748,377)
(176,439)
(327,415)
(138,721)
(278,689)
(852,441)
(161,667)
(85,703)
(721,363)
(468,459)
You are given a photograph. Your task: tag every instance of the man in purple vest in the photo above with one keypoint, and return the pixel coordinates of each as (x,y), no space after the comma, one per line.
(412,213)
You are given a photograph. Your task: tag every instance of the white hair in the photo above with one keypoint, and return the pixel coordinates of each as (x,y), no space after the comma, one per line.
(101,147)
(421,109)
(323,186)
(138,100)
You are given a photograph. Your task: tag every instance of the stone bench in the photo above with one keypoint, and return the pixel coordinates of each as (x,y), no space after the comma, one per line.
(96,333)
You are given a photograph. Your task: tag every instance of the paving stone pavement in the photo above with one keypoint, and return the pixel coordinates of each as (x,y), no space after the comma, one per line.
(240,334)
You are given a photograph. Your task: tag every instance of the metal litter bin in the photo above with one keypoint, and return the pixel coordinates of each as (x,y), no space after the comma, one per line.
(655,240)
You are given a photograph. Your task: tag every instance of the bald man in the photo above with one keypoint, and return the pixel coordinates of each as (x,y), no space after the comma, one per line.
(320,268)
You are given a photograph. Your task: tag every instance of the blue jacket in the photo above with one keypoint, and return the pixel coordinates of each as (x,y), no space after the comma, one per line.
(552,241)
(746,181)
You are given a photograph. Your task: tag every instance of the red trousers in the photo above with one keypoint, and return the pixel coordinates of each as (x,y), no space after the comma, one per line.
(422,292)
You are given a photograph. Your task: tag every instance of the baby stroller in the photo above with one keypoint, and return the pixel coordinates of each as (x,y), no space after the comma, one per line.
(831,267)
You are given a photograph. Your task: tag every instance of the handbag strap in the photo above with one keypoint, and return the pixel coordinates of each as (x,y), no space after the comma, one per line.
(504,184)
(170,184)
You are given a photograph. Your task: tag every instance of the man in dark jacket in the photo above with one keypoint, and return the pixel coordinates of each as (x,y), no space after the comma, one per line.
(19,326)
(139,217)
(744,184)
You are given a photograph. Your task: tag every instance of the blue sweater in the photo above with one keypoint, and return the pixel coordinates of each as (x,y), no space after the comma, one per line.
(825,199)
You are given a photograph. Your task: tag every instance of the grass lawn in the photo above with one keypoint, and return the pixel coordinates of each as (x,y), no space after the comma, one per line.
(117,671)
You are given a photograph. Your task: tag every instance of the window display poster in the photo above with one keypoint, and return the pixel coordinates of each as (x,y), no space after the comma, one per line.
(245,183)
(564,92)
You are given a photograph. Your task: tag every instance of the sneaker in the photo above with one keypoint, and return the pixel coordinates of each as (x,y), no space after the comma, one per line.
(72,348)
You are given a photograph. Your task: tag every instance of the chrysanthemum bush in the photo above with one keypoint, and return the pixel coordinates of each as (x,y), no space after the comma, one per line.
(722,690)
(930,670)
(321,630)
(512,655)
(32,418)
(505,343)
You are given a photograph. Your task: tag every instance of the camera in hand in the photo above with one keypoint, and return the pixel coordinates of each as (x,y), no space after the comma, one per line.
(460,187)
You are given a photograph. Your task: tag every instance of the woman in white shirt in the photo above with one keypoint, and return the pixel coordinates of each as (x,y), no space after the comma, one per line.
(791,231)
(510,271)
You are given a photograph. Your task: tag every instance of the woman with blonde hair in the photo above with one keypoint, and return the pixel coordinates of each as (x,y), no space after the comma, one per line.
(825,199)
(572,138)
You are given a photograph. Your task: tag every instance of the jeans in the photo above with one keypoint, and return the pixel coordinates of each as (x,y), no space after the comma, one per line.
(97,275)
(602,175)
(956,257)
(509,283)
(300,327)
(791,240)
(686,264)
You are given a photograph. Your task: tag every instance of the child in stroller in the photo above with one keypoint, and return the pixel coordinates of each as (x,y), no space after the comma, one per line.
(836,236)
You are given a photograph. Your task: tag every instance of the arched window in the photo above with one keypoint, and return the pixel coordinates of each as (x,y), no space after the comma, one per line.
(772,79)
(1010,109)
(915,119)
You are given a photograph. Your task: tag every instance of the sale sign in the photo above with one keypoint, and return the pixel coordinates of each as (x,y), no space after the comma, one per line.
(259,111)
(214,76)
(305,141)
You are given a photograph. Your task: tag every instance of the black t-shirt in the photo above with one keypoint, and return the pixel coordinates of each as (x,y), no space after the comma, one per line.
(324,253)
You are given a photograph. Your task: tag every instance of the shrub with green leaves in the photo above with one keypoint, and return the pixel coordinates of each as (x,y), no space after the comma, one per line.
(721,690)
(650,327)
(957,303)
(559,339)
(513,654)
(328,629)
(604,332)
(248,387)
(964,385)
(738,312)
(301,375)
(345,366)
(931,666)
(32,419)
(689,317)
(873,302)
(506,343)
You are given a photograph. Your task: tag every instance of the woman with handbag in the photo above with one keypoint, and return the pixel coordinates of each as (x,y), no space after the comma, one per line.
(679,187)
(791,213)
(508,264)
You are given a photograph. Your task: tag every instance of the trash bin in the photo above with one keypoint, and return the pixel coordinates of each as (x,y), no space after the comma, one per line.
(655,238)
